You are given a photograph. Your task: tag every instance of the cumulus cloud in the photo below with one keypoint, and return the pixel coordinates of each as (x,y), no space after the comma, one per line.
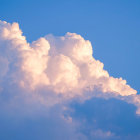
(56,71)
(62,64)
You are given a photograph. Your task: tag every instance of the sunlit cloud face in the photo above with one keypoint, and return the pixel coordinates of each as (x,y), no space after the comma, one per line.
(64,64)
(56,71)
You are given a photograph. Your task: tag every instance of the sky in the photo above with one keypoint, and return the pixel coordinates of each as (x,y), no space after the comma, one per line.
(61,63)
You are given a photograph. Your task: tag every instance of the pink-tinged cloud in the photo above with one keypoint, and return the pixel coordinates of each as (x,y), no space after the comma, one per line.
(54,86)
(55,66)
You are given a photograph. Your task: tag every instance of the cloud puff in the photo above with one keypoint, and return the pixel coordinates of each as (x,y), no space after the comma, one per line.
(57,71)
(54,66)
(62,64)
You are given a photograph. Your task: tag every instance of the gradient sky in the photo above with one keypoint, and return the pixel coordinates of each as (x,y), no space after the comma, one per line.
(113,28)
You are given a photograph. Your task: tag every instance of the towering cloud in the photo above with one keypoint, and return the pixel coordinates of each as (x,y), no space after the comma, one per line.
(55,71)
(64,65)
(57,65)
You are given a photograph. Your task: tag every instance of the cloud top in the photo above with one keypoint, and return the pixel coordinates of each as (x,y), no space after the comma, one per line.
(63,64)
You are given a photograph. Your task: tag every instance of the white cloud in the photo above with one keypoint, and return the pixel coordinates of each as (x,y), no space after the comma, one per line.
(55,70)
(61,65)
(64,64)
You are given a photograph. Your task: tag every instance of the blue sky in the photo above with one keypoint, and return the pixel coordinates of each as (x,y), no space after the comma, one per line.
(32,109)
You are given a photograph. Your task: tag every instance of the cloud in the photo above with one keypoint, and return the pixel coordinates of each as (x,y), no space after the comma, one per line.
(47,76)
(62,64)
